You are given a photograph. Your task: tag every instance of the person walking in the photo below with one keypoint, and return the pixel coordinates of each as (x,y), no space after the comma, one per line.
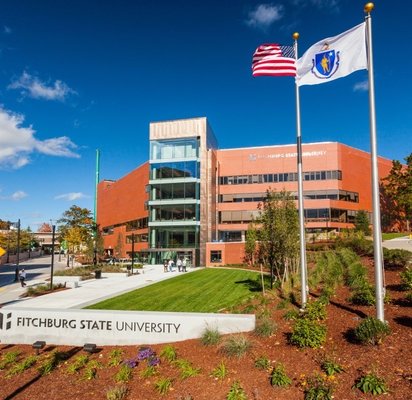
(184,264)
(165,266)
(179,264)
(171,265)
(22,277)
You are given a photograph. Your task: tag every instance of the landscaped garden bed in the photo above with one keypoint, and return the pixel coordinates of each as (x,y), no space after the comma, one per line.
(280,360)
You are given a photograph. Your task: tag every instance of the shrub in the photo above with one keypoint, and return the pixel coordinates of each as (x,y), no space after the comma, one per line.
(262,363)
(356,275)
(236,392)
(315,311)
(406,278)
(265,327)
(124,374)
(90,371)
(186,369)
(51,362)
(149,371)
(236,346)
(169,353)
(318,388)
(22,366)
(331,367)
(163,385)
(117,392)
(396,258)
(371,383)
(115,357)
(371,331)
(307,333)
(291,315)
(278,376)
(210,336)
(78,363)
(8,358)
(220,372)
(363,296)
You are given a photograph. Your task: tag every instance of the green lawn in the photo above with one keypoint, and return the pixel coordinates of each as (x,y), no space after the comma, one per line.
(208,290)
(389,236)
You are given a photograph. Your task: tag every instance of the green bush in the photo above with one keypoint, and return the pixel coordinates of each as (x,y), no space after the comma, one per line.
(315,311)
(22,366)
(331,367)
(118,392)
(78,363)
(210,336)
(357,243)
(186,369)
(318,388)
(124,374)
(363,296)
(265,327)
(8,358)
(396,258)
(115,357)
(356,274)
(236,392)
(371,331)
(236,346)
(220,372)
(278,376)
(262,363)
(308,333)
(163,385)
(406,278)
(51,362)
(371,383)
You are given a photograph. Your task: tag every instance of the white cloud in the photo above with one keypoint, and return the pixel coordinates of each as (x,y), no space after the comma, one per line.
(333,5)
(71,196)
(33,87)
(7,29)
(16,196)
(18,142)
(361,86)
(264,15)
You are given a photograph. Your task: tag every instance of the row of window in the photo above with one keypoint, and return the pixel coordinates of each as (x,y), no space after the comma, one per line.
(282,177)
(342,195)
(175,170)
(175,191)
(333,214)
(175,212)
(182,237)
(133,225)
(137,238)
(175,148)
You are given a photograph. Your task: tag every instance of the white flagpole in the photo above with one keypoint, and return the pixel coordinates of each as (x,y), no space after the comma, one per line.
(377,233)
(303,269)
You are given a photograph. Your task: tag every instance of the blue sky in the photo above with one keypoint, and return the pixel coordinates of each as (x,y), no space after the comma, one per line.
(80,75)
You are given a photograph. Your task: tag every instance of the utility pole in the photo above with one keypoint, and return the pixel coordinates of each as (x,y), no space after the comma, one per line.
(52,257)
(132,252)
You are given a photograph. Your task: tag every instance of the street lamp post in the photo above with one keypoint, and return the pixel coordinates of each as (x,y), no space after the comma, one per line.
(52,257)
(132,252)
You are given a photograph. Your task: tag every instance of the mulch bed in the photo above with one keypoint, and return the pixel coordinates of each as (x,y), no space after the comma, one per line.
(392,360)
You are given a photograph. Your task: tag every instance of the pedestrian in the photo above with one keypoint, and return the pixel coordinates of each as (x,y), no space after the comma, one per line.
(22,277)
(165,265)
(184,263)
(179,264)
(170,265)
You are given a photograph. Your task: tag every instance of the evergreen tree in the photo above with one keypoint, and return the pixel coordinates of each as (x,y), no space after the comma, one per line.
(362,223)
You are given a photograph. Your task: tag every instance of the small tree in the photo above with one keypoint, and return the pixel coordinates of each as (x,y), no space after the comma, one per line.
(119,245)
(250,245)
(362,222)
(279,234)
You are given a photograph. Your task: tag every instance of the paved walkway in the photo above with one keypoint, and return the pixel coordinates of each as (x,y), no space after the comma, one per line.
(398,243)
(89,291)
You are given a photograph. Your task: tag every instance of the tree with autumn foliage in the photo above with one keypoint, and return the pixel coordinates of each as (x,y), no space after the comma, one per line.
(396,197)
(76,226)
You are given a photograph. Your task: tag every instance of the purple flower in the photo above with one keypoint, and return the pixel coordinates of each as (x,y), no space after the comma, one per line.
(153,361)
(131,363)
(145,354)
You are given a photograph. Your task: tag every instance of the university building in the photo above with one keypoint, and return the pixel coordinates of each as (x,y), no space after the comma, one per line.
(194,200)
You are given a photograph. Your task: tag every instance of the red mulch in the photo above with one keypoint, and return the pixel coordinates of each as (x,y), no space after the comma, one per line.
(392,360)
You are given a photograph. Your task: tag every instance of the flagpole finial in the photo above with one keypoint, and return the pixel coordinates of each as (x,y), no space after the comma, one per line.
(295,36)
(369,7)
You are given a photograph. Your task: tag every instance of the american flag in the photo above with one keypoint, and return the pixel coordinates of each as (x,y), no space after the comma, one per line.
(274,60)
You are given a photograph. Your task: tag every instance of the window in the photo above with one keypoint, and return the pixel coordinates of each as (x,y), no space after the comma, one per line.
(216,256)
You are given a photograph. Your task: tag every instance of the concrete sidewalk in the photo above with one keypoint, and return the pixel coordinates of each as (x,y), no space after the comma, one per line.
(90,291)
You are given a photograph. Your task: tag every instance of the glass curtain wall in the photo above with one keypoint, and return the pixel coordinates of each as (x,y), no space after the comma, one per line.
(174,205)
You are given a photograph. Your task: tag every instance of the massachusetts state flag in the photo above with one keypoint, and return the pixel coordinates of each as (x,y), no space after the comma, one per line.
(274,60)
(333,57)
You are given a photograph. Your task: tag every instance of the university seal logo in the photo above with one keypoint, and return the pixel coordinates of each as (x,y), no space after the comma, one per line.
(325,63)
(5,322)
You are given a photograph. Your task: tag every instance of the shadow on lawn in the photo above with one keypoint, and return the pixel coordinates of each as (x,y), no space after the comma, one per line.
(254,285)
